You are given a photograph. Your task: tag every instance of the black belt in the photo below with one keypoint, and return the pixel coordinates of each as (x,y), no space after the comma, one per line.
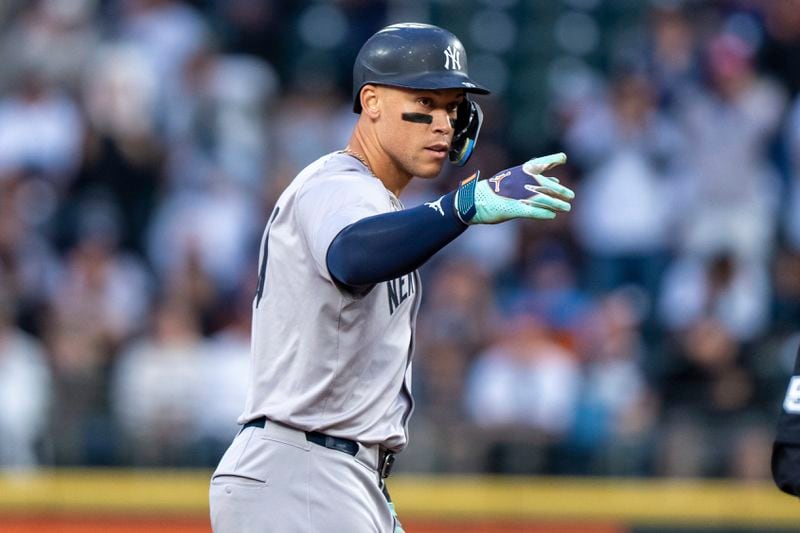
(350,447)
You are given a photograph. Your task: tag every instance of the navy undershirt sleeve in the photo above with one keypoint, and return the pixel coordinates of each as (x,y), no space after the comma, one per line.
(390,245)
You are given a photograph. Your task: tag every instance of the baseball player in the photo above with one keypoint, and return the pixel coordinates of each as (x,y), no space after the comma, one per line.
(786,448)
(329,395)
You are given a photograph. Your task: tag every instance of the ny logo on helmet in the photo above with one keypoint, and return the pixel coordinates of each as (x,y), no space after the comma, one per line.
(452,58)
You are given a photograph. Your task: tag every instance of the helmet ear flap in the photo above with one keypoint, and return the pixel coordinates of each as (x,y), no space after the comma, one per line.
(467,127)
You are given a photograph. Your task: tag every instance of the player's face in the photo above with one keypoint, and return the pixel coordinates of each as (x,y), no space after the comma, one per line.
(418,147)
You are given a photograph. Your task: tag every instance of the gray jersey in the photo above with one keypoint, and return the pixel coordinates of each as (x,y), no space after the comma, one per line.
(323,360)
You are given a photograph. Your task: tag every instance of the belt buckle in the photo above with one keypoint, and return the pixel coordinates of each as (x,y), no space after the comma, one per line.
(386,465)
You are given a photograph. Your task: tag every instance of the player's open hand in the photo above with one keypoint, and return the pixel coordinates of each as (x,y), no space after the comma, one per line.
(517,192)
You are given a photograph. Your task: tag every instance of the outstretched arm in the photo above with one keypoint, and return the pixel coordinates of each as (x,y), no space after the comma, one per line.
(386,246)
(389,245)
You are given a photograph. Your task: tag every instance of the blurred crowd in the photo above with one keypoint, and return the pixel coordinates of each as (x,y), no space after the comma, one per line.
(648,333)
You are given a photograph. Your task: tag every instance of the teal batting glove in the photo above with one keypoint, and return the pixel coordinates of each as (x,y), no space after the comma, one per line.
(517,192)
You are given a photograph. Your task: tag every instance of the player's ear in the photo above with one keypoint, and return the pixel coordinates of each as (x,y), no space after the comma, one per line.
(370,101)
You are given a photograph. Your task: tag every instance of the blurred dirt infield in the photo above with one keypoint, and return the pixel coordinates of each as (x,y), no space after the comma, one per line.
(58,524)
(193,525)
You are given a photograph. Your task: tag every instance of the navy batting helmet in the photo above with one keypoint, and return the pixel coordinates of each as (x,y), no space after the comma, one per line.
(422,56)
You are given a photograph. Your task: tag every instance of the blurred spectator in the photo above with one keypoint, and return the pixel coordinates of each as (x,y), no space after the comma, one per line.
(223,369)
(40,129)
(616,413)
(492,248)
(792,205)
(459,315)
(166,32)
(780,53)
(123,154)
(672,52)
(707,392)
(444,368)
(524,379)
(786,291)
(312,122)
(254,27)
(729,198)
(121,94)
(156,389)
(625,208)
(459,309)
(523,390)
(29,267)
(549,289)
(55,37)
(25,391)
(80,431)
(733,291)
(106,290)
(217,120)
(214,225)
(102,300)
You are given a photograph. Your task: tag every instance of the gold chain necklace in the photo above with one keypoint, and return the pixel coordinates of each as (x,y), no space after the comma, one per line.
(349,151)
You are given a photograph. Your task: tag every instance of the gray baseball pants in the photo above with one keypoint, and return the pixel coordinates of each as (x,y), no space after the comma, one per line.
(272,480)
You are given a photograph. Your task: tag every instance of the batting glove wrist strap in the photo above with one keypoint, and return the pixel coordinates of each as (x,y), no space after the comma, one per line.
(465,198)
(517,192)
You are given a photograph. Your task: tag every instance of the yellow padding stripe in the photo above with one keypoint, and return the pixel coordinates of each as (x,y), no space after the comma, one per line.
(168,492)
(105,491)
(687,502)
